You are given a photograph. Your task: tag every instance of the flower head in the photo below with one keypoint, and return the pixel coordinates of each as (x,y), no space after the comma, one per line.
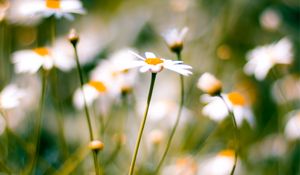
(217,110)
(174,38)
(293,125)
(208,83)
(263,58)
(58,8)
(30,61)
(155,64)
(10,97)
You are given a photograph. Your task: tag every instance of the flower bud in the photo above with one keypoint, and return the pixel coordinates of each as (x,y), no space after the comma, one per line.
(73,36)
(96,145)
(208,83)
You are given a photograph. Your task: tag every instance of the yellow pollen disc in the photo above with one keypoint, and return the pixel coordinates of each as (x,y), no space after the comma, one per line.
(53,4)
(154,61)
(42,51)
(227,153)
(99,86)
(236,98)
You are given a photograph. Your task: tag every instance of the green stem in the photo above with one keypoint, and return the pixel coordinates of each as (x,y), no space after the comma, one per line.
(236,133)
(88,118)
(142,126)
(176,122)
(38,126)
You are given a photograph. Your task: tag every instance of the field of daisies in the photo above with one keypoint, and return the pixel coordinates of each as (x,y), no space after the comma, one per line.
(160,87)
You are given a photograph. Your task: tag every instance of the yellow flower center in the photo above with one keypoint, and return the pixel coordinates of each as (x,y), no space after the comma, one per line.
(53,4)
(227,153)
(98,85)
(236,98)
(42,51)
(154,61)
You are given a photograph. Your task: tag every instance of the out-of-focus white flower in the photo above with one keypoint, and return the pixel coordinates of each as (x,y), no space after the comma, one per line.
(30,61)
(217,110)
(154,64)
(183,166)
(292,127)
(270,19)
(156,136)
(58,8)
(286,89)
(91,91)
(263,58)
(174,38)
(10,97)
(208,83)
(220,164)
(115,74)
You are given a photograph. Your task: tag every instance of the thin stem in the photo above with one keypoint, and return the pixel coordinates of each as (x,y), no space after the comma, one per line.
(88,118)
(39,123)
(236,133)
(142,126)
(176,122)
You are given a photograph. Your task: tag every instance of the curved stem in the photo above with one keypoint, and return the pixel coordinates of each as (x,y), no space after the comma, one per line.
(142,126)
(236,135)
(88,118)
(176,122)
(39,123)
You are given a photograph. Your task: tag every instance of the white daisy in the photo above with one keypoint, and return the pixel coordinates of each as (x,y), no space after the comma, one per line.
(217,110)
(154,64)
(263,58)
(58,8)
(174,38)
(10,97)
(292,127)
(220,164)
(208,83)
(30,61)
(92,90)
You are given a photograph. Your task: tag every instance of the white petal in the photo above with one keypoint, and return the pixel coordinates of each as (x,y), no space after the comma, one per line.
(150,55)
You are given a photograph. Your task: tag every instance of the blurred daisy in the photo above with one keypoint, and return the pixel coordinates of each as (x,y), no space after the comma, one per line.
(220,164)
(209,84)
(217,110)
(30,61)
(114,73)
(263,58)
(10,97)
(292,127)
(182,166)
(92,90)
(174,38)
(270,19)
(58,8)
(154,64)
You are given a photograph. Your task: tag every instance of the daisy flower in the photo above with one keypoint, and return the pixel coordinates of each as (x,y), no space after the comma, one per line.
(292,127)
(263,58)
(10,97)
(154,64)
(92,90)
(209,84)
(217,110)
(220,164)
(30,61)
(58,8)
(174,38)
